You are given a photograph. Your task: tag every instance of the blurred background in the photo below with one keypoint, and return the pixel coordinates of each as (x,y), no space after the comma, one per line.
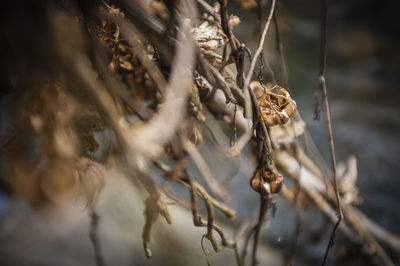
(363,87)
(362,79)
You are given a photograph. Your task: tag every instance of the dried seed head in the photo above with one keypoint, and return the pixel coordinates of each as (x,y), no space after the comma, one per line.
(276,106)
(266,180)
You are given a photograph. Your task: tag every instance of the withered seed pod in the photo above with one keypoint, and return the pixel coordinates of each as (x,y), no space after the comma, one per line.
(266,180)
(277,106)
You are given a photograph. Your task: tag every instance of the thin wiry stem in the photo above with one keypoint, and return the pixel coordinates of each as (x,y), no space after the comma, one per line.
(254,61)
(322,83)
(225,24)
(263,211)
(246,243)
(235,150)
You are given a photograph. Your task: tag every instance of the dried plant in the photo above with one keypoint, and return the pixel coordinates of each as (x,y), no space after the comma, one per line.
(149,72)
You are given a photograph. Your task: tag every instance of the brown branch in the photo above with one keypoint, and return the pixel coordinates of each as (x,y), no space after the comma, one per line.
(196,189)
(210,10)
(254,61)
(264,199)
(223,86)
(324,26)
(225,24)
(246,243)
(230,213)
(211,226)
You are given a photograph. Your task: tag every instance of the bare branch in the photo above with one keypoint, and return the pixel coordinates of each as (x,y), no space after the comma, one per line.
(322,83)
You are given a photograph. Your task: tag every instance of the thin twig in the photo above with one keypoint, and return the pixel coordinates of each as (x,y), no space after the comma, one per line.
(211,226)
(254,61)
(246,243)
(324,26)
(248,109)
(263,211)
(210,10)
(230,213)
(223,86)
(225,24)
(204,250)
